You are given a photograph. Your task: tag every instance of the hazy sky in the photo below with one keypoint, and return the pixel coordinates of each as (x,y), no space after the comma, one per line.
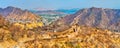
(60,4)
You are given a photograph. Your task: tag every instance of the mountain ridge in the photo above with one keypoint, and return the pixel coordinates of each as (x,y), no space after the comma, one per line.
(14,14)
(94,17)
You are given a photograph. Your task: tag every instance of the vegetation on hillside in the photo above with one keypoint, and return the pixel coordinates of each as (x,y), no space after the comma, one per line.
(74,37)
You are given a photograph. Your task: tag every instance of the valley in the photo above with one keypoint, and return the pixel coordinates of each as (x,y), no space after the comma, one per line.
(88,28)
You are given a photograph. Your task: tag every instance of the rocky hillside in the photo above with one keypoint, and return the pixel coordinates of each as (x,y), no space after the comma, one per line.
(14,14)
(3,22)
(94,17)
(23,18)
(74,37)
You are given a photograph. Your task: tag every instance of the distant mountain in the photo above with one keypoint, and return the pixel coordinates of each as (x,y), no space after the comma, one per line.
(14,14)
(68,11)
(93,17)
(43,9)
(50,12)
(55,11)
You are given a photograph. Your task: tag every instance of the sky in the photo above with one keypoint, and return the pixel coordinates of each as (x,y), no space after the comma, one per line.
(60,4)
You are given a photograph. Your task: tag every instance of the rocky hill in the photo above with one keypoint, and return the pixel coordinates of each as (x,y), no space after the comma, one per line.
(23,18)
(94,17)
(14,14)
